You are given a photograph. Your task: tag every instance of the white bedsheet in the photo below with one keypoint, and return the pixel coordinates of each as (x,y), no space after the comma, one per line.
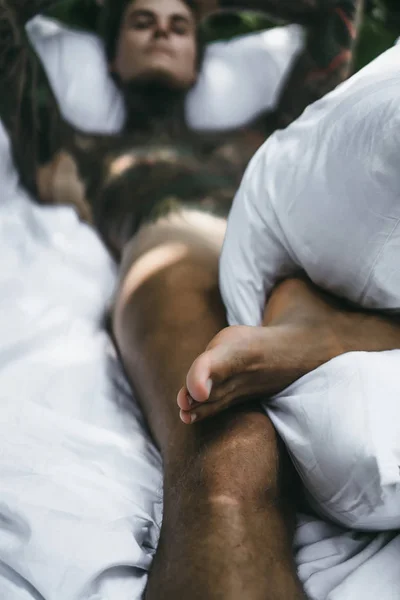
(80,481)
(81,487)
(80,495)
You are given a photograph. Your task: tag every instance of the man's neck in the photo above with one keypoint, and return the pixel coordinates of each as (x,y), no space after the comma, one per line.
(154,108)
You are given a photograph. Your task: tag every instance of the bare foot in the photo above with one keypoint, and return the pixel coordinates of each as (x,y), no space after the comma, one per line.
(303,330)
(235,367)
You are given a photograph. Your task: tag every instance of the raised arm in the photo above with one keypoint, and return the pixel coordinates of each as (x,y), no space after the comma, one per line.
(27,9)
(28,109)
(326,60)
(331,32)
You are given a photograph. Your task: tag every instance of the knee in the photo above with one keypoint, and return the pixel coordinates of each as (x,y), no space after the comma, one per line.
(243,463)
(164,257)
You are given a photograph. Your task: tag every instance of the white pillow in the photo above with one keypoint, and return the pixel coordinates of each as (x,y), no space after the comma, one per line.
(249,69)
(242,78)
(328,188)
(76,66)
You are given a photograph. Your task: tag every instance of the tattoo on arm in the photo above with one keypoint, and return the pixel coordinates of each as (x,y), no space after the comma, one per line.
(331,32)
(325,62)
(28,109)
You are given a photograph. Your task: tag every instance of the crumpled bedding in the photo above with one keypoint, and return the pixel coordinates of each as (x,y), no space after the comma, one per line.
(81,492)
(321,197)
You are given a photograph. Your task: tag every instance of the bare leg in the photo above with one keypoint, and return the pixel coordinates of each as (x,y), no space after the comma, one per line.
(306,328)
(227,526)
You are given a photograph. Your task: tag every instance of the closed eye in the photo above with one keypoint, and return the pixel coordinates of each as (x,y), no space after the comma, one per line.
(180,25)
(141,19)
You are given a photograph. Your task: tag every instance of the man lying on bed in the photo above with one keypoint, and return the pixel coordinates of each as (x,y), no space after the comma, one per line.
(205,540)
(324,61)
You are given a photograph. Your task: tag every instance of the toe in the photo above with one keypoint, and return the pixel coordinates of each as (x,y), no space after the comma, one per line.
(199,381)
(203,411)
(187,417)
(184,400)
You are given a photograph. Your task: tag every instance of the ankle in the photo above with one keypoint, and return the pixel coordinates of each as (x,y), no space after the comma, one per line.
(297,349)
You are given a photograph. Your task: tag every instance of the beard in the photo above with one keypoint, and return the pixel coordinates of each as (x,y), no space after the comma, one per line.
(153,101)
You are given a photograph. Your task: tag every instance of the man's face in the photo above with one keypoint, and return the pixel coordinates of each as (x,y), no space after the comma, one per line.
(157,41)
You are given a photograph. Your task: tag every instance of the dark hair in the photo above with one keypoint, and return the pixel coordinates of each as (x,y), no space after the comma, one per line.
(110,22)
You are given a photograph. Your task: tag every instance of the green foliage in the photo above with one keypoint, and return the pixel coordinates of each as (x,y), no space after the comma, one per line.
(379,31)
(77,13)
(375,38)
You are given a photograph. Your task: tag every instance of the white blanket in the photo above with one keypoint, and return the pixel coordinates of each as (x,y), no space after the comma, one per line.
(322,197)
(81,485)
